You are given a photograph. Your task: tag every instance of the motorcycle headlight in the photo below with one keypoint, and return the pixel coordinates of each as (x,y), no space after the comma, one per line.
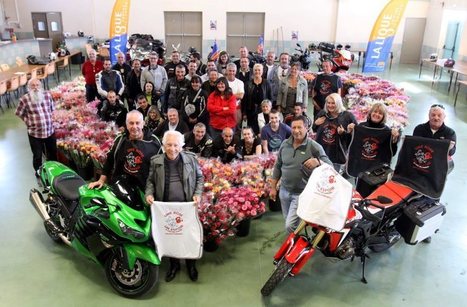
(130,231)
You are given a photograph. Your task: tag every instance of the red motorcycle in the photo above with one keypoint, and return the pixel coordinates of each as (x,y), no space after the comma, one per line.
(341,58)
(373,223)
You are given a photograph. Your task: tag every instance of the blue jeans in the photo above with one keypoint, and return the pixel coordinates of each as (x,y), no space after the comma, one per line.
(289,204)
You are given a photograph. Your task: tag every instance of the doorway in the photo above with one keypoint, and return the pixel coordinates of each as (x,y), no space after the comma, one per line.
(412,41)
(48,25)
(451,42)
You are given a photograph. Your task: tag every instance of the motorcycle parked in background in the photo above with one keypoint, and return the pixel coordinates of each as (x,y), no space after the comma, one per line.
(256,58)
(305,56)
(110,226)
(341,59)
(140,45)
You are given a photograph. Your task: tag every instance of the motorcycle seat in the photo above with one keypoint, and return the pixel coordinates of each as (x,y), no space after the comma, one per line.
(67,185)
(397,192)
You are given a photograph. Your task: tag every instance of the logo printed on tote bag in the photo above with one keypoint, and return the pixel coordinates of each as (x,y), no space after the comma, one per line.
(173,222)
(326,183)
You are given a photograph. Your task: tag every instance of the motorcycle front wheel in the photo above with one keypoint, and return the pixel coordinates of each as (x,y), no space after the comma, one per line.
(131,283)
(281,271)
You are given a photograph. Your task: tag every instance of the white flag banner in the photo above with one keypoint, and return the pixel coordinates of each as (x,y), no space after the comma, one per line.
(176,230)
(326,198)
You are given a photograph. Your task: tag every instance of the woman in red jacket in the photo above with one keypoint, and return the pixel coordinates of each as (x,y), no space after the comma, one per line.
(222,106)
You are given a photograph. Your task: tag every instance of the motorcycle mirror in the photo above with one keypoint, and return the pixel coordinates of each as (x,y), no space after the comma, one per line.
(384,199)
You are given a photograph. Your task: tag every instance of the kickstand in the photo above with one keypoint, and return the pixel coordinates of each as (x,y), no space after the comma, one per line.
(363,261)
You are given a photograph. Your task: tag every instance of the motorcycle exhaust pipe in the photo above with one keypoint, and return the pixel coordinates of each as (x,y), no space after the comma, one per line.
(35,197)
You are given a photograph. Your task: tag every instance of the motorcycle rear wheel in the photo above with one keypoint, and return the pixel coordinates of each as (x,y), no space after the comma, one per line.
(58,220)
(132,283)
(281,271)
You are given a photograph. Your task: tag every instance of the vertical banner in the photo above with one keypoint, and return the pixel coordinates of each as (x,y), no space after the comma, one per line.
(382,36)
(260,47)
(119,28)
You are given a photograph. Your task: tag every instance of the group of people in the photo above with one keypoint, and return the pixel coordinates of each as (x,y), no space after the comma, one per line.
(250,101)
(222,117)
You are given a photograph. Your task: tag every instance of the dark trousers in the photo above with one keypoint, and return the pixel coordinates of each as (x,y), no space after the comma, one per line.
(176,262)
(47,146)
(91,92)
(252,119)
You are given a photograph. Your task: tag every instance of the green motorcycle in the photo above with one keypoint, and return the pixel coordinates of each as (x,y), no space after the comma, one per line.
(110,226)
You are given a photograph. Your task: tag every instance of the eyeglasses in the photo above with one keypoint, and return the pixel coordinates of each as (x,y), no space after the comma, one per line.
(437,106)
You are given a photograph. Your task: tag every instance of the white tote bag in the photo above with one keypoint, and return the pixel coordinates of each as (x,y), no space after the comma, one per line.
(326,198)
(176,230)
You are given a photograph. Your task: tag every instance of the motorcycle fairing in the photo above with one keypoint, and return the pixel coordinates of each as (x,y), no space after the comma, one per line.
(132,252)
(128,218)
(306,254)
(285,247)
(298,250)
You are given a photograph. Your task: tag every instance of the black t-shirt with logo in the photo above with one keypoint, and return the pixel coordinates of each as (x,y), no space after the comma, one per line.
(324,85)
(131,157)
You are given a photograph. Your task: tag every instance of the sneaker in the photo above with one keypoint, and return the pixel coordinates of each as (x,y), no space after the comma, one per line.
(427,240)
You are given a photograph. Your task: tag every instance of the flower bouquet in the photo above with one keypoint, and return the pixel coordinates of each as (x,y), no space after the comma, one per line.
(245,200)
(218,219)
(363,91)
(246,203)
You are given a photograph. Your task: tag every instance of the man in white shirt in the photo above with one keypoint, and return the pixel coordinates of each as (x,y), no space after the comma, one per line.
(237,86)
(192,67)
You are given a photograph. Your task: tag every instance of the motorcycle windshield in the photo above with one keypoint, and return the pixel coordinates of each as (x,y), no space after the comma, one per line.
(129,193)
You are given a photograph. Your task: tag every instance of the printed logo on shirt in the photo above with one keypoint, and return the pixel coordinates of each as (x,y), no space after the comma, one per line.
(325,87)
(329,133)
(133,160)
(423,157)
(370,148)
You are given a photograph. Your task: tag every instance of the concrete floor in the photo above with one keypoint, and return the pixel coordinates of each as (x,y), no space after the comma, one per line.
(37,272)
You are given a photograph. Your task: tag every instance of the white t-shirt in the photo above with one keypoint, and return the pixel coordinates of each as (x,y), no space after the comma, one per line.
(269,77)
(237,86)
